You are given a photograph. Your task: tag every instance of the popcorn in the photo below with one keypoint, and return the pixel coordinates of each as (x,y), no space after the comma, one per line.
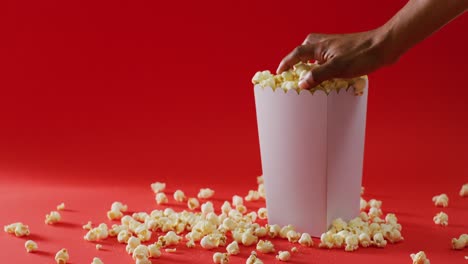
(288,80)
(207,208)
(118,206)
(260,179)
(375,203)
(190,243)
(241,208)
(158,187)
(253,259)
(326,240)
(132,243)
(262,213)
(220,258)
(261,190)
(205,193)
(265,246)
(252,196)
(294,250)
(52,218)
(237,200)
(441,200)
(98,246)
(161,198)
(363,204)
(171,250)
(364,240)
(362,190)
(233,248)
(283,256)
(306,240)
(30,246)
(273,230)
(293,236)
(261,232)
(62,256)
(193,203)
(352,243)
(464,190)
(441,219)
(140,252)
(97,261)
(114,215)
(208,242)
(88,226)
(171,239)
(154,251)
(420,258)
(375,212)
(179,196)
(123,236)
(18,229)
(226,207)
(379,240)
(61,207)
(249,239)
(460,243)
(229,224)
(339,224)
(284,231)
(143,261)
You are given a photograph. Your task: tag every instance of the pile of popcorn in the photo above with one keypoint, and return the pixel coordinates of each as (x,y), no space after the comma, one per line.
(288,80)
(233,227)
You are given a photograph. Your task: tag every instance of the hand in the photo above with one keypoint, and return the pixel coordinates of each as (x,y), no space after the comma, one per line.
(340,56)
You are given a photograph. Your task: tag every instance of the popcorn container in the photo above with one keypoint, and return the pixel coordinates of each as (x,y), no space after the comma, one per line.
(312,150)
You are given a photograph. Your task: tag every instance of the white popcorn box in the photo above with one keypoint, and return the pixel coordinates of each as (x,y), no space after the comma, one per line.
(312,151)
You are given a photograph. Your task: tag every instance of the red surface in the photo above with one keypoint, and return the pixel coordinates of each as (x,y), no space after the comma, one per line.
(100,98)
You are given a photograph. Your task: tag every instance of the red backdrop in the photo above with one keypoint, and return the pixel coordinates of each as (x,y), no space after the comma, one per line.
(128,92)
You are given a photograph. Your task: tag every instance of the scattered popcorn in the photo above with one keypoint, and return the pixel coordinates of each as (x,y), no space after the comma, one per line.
(262,213)
(114,215)
(18,229)
(220,258)
(161,198)
(441,219)
(207,208)
(363,204)
(97,261)
(140,252)
(30,246)
(190,243)
(123,236)
(249,239)
(252,196)
(88,226)
(364,240)
(420,258)
(158,187)
(288,80)
(62,256)
(293,236)
(273,230)
(118,206)
(441,200)
(237,200)
(253,259)
(52,218)
(205,193)
(193,203)
(265,246)
(260,179)
(294,250)
(154,251)
(352,243)
(375,212)
(284,231)
(171,238)
(171,250)
(460,243)
(464,190)
(179,196)
(375,203)
(261,190)
(241,208)
(379,240)
(283,256)
(306,240)
(61,207)
(233,248)
(208,242)
(98,246)
(132,243)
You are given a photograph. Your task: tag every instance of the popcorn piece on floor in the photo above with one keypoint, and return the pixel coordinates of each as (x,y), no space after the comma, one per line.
(52,218)
(379,240)
(352,243)
(193,203)
(158,187)
(293,236)
(262,213)
(18,229)
(30,246)
(97,261)
(261,190)
(141,252)
(420,258)
(118,206)
(253,259)
(114,215)
(363,204)
(265,246)
(441,200)
(207,208)
(132,243)
(260,179)
(464,190)
(220,258)
(283,256)
(252,196)
(441,219)
(88,226)
(306,240)
(205,193)
(233,248)
(375,203)
(170,250)
(460,243)
(190,243)
(154,251)
(249,239)
(62,256)
(61,207)
(208,242)
(294,250)
(98,246)
(123,236)
(179,196)
(161,198)
(364,240)
(237,200)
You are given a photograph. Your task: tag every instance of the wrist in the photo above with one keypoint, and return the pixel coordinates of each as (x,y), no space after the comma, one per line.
(386,43)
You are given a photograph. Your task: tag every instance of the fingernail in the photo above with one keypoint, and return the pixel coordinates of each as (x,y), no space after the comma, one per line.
(303,84)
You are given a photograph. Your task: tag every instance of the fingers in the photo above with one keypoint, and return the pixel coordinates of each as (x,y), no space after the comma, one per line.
(319,74)
(300,53)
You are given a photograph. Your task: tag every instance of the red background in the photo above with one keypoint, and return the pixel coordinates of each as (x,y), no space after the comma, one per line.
(100,98)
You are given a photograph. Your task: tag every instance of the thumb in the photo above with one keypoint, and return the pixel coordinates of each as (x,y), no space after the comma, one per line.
(318,74)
